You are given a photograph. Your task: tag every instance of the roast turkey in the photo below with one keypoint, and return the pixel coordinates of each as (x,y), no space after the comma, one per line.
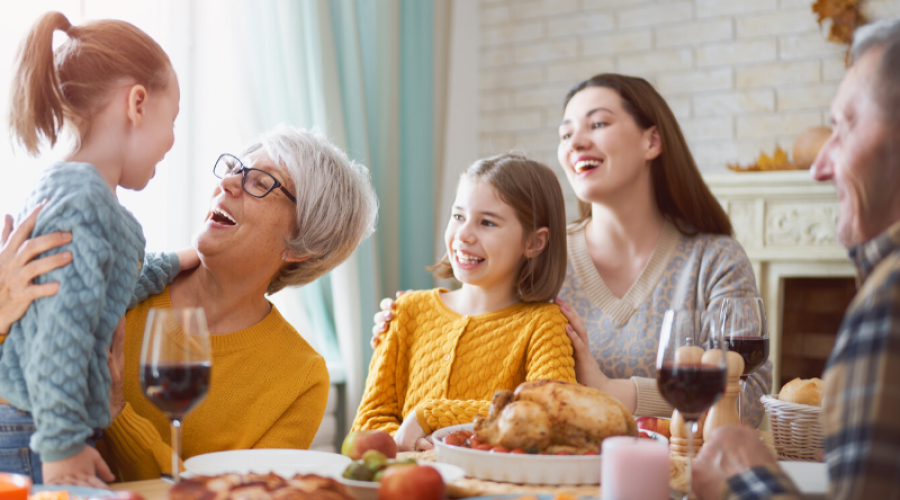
(554,416)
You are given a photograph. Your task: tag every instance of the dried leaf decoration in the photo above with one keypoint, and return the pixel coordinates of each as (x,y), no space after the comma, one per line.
(844,15)
(765,163)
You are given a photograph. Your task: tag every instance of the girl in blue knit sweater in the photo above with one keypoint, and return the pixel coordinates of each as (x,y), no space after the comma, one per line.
(114,89)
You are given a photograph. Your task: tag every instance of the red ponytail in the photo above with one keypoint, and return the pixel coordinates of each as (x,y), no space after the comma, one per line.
(51,88)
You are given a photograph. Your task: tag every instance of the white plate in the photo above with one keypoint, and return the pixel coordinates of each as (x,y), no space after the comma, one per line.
(810,477)
(76,491)
(513,468)
(368,490)
(285,463)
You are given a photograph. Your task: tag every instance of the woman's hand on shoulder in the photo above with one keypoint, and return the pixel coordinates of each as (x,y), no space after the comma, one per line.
(115,361)
(383,318)
(18,267)
(587,371)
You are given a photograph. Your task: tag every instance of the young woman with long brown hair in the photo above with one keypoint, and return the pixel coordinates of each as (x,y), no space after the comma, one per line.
(651,237)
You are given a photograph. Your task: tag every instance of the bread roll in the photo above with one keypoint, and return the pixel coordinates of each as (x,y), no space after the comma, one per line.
(802,391)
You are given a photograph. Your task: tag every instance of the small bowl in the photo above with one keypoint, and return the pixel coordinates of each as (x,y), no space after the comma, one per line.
(368,490)
(14,486)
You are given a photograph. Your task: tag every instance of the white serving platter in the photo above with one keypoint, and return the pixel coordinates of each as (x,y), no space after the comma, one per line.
(514,468)
(285,463)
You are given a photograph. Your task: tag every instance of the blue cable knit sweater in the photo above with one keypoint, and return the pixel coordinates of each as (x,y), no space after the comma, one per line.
(53,363)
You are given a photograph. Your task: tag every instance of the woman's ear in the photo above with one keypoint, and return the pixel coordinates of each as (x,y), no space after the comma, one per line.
(654,143)
(536,243)
(137,105)
(287,256)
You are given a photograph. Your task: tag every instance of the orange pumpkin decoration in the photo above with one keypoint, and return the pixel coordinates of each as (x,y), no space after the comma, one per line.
(808,144)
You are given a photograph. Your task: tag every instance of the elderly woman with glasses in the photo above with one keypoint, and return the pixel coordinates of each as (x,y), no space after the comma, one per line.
(288,210)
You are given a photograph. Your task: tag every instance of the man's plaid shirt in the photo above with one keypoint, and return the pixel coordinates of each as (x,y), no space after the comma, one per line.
(861,408)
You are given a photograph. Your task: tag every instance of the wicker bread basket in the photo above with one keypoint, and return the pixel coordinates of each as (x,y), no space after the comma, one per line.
(796,429)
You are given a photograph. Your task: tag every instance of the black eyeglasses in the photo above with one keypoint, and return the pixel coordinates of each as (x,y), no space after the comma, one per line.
(255,182)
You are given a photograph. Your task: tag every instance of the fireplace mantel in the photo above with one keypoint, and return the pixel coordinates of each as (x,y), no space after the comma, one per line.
(786,223)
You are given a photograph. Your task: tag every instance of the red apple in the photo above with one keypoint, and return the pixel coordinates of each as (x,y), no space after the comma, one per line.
(658,425)
(358,442)
(647,423)
(662,427)
(418,482)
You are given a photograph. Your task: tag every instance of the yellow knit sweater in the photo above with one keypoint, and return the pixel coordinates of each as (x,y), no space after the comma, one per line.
(268,390)
(446,367)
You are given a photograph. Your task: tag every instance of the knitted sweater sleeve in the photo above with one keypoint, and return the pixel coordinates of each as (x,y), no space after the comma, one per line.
(134,449)
(732,276)
(157,271)
(381,406)
(61,347)
(725,272)
(297,426)
(549,357)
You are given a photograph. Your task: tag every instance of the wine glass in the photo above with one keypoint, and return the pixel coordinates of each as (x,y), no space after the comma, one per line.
(175,366)
(744,326)
(691,368)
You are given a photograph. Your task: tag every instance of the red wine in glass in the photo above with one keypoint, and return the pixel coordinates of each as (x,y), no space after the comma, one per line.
(691,368)
(175,388)
(175,366)
(692,388)
(754,350)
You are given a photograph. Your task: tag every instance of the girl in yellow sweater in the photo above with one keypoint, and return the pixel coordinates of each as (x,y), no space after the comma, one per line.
(447,352)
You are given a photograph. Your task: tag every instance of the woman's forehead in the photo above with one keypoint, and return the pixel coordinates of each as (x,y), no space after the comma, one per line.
(593,98)
(261,160)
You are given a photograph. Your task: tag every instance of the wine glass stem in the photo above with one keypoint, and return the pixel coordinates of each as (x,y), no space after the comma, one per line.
(741,401)
(176,450)
(690,427)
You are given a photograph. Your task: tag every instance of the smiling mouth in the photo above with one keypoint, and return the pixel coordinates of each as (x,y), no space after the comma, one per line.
(585,165)
(220,217)
(467,259)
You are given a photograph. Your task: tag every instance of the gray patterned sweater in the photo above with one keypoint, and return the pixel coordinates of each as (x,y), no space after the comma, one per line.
(683,273)
(53,363)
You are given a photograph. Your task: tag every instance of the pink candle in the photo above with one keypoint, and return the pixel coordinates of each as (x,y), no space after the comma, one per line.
(634,469)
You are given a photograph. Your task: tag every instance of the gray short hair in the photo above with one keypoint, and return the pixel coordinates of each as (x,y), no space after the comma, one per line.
(884,34)
(336,203)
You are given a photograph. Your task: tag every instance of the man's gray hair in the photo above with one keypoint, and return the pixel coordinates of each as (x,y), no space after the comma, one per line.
(884,34)
(336,203)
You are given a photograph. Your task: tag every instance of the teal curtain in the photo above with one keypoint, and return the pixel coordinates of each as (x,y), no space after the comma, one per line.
(416,142)
(362,72)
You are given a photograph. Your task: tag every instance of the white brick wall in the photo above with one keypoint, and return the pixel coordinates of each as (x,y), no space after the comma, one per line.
(742,76)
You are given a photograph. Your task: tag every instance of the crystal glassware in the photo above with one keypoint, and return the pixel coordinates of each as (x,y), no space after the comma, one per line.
(691,368)
(744,327)
(175,366)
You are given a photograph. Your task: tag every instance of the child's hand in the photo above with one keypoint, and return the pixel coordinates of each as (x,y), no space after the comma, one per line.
(18,267)
(187,259)
(81,469)
(587,371)
(383,319)
(411,437)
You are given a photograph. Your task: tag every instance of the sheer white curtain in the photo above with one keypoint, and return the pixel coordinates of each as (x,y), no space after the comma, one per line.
(206,41)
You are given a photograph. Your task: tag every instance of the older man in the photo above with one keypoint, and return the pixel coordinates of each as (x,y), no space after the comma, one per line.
(862,379)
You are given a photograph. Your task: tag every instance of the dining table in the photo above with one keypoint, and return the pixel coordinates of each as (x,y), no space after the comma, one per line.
(157,489)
